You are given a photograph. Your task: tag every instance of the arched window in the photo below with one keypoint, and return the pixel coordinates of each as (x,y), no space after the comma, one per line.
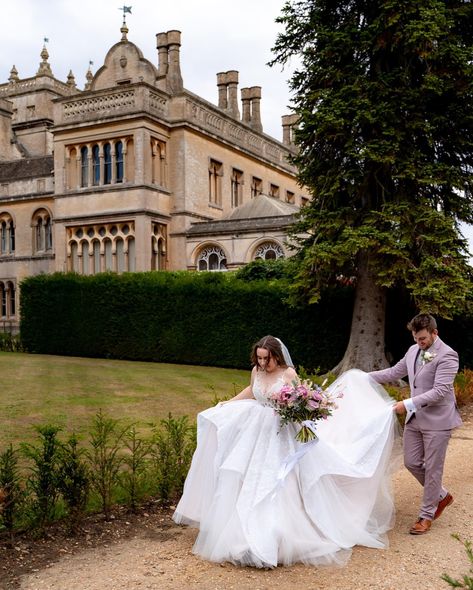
(212,258)
(96,256)
(269,251)
(75,257)
(104,247)
(85,257)
(131,254)
(158,247)
(11,299)
(120,254)
(42,231)
(107,156)
(3,297)
(108,254)
(119,168)
(84,166)
(96,165)
(3,237)
(7,235)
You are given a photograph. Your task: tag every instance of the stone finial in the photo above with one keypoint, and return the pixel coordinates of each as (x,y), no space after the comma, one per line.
(88,77)
(13,75)
(44,67)
(288,123)
(232,86)
(71,81)
(124,28)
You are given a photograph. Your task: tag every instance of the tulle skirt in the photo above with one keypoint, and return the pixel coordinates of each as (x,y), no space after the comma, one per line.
(337,496)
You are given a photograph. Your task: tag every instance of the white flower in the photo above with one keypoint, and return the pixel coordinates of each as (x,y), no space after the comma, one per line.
(427,356)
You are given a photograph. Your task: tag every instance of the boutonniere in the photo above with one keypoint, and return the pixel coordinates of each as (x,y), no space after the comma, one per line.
(427,356)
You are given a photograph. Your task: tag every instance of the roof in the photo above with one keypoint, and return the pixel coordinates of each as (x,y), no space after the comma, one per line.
(262,206)
(262,213)
(26,168)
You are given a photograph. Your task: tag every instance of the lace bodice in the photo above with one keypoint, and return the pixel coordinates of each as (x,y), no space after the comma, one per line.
(262,391)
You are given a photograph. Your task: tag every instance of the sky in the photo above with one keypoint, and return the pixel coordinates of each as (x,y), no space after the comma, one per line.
(217,36)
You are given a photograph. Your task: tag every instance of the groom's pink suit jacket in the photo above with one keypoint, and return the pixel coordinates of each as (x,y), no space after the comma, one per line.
(431,385)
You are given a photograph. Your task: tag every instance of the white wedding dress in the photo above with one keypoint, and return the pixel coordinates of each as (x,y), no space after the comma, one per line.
(338,495)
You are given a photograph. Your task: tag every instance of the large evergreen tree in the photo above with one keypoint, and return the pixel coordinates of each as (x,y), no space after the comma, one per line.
(384,95)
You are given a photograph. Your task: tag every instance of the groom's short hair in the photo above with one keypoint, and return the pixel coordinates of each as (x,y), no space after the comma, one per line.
(422,321)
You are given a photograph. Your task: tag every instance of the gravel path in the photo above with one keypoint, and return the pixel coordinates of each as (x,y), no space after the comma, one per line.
(164,562)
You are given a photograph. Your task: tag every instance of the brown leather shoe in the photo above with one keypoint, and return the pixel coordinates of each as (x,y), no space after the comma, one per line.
(421,527)
(443,504)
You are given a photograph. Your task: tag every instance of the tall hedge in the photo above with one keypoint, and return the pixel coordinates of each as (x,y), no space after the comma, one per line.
(181,317)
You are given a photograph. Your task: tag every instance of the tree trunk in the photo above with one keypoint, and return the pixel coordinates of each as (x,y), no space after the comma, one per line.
(366,349)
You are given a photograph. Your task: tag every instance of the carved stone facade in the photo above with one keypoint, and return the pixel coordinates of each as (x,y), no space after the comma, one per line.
(136,173)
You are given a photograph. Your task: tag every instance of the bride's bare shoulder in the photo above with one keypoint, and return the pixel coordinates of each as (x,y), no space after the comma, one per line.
(290,375)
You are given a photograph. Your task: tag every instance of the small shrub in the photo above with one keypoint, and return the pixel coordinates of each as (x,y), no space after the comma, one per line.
(10,489)
(9,343)
(172,448)
(464,387)
(43,481)
(134,477)
(73,481)
(105,459)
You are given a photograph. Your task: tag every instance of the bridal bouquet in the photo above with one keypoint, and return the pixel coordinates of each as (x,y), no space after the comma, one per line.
(304,403)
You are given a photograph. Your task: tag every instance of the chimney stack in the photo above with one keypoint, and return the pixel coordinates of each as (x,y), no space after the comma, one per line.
(227,84)
(250,99)
(232,85)
(246,106)
(222,90)
(288,123)
(162,47)
(169,64)
(255,95)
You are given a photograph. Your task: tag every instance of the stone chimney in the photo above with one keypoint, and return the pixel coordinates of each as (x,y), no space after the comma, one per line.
(255,95)
(251,99)
(246,106)
(222,90)
(232,86)
(227,84)
(162,47)
(288,123)
(169,61)
(174,62)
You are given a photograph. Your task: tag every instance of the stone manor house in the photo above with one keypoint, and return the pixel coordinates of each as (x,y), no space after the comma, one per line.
(136,173)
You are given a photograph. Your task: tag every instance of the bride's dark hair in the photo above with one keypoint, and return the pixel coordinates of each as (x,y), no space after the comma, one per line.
(273,346)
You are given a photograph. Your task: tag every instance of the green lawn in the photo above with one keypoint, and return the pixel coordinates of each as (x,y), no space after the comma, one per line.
(69,391)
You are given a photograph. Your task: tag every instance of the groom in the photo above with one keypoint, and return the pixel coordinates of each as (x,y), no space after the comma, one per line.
(431,411)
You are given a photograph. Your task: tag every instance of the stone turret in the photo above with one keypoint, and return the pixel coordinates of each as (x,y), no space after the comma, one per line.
(169,61)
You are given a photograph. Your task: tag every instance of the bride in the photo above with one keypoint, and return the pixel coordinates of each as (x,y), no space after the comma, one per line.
(336,496)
